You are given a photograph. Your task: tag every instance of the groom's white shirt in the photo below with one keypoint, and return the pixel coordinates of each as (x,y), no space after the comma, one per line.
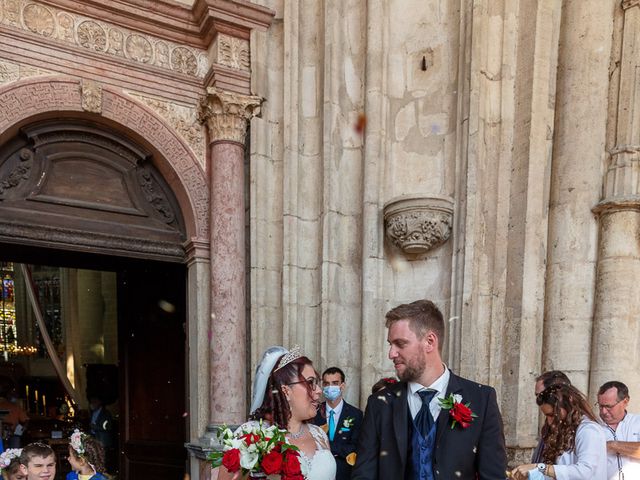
(440,385)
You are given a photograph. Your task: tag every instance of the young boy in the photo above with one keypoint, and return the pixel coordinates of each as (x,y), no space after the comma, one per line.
(38,462)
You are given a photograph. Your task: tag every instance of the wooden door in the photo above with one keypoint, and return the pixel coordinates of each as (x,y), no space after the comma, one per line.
(153,425)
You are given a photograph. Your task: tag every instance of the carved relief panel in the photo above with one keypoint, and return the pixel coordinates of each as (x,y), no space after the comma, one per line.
(102,191)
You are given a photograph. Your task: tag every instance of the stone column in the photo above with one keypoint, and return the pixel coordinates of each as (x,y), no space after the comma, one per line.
(614,349)
(576,179)
(226,115)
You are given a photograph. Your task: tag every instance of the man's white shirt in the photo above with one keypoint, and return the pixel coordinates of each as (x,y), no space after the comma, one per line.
(628,430)
(337,410)
(440,386)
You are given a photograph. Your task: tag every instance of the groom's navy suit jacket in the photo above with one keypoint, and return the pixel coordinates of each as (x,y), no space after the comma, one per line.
(477,452)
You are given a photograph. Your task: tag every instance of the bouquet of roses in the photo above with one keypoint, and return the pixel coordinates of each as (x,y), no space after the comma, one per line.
(256,448)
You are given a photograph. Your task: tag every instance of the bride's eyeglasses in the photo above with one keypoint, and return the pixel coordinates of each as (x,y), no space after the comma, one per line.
(312,383)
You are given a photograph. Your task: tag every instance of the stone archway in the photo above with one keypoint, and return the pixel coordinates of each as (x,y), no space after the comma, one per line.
(44,97)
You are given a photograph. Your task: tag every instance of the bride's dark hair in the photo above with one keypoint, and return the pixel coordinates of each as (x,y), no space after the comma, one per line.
(275,407)
(559,436)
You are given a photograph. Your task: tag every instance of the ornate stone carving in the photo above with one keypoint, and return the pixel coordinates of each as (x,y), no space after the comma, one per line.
(99,36)
(92,36)
(630,3)
(12,12)
(139,48)
(233,52)
(184,61)
(154,195)
(91,96)
(20,172)
(9,72)
(416,224)
(38,19)
(183,119)
(116,42)
(32,97)
(226,114)
(65,27)
(162,55)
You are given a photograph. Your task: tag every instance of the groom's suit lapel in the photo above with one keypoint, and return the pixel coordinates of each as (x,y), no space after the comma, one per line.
(444,422)
(400,422)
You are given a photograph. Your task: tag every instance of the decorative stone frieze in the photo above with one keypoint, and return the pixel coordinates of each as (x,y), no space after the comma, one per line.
(98,36)
(232,52)
(91,96)
(416,224)
(226,114)
(184,119)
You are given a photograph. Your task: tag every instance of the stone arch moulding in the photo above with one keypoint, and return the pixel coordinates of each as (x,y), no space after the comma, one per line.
(42,97)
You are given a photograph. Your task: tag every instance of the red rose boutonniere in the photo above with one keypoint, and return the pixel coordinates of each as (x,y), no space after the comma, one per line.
(459,412)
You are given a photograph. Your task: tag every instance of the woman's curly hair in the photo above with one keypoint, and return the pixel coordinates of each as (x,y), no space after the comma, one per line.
(569,407)
(275,408)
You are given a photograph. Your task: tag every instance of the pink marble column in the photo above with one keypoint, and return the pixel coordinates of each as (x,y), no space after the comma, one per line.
(226,115)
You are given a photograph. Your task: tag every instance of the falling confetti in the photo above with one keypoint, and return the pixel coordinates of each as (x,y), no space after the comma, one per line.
(361,123)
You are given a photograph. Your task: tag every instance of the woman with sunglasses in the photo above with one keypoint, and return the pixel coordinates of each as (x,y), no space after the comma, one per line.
(286,393)
(574,442)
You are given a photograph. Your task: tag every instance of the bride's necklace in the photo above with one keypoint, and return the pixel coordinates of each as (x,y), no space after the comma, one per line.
(295,436)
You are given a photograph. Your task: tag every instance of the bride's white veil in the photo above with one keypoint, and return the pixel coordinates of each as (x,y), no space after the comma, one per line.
(265,366)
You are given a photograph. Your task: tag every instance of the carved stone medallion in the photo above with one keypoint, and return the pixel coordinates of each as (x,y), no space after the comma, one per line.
(139,49)
(92,36)
(184,61)
(38,19)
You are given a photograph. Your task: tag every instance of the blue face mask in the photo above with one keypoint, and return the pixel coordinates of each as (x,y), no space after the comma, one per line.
(331,392)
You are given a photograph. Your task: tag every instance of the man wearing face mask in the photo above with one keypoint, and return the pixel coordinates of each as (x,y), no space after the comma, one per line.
(340,420)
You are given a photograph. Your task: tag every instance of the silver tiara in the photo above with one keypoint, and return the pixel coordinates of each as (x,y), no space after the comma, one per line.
(290,356)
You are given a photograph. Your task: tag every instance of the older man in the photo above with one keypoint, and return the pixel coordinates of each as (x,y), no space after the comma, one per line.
(622,430)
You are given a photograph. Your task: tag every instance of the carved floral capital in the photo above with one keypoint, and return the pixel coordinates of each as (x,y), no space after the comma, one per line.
(416,224)
(226,114)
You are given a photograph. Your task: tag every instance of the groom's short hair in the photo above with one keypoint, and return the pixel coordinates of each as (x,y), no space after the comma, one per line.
(423,316)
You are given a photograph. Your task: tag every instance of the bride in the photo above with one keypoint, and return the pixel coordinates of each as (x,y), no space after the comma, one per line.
(286,391)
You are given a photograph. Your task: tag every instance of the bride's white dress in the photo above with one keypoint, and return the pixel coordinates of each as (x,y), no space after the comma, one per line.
(322,465)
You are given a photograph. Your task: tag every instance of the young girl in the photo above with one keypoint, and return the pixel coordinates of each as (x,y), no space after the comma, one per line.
(86,456)
(10,464)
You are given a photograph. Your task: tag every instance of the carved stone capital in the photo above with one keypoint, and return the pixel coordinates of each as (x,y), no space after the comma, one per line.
(416,224)
(226,114)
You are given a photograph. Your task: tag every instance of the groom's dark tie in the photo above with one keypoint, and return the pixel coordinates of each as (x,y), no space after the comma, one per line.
(424,419)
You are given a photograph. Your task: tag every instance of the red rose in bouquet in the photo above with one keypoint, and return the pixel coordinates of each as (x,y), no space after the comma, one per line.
(272,462)
(250,438)
(461,414)
(231,460)
(291,465)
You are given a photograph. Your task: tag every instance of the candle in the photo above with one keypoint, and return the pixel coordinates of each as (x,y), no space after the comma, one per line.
(44,404)
(35,394)
(26,391)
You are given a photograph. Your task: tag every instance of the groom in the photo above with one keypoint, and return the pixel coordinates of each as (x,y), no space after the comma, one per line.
(407,433)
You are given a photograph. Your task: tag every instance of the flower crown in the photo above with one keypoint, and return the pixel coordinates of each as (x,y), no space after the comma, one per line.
(8,456)
(77,441)
(287,358)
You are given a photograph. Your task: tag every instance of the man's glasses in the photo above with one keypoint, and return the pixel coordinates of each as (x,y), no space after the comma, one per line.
(312,383)
(599,406)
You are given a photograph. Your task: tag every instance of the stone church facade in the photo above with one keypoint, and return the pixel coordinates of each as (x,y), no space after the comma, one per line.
(479,153)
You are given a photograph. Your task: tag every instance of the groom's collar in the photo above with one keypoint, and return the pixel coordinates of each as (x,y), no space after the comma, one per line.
(439,385)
